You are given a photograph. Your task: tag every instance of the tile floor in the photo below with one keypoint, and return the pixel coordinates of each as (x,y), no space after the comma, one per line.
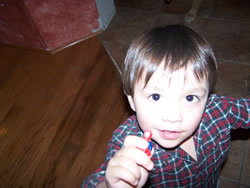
(226,25)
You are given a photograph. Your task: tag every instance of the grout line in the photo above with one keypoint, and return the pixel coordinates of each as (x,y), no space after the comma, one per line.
(241,170)
(243,160)
(228,20)
(225,61)
(228,180)
(211,18)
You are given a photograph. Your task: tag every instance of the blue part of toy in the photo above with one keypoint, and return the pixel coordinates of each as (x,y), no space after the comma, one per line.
(150,146)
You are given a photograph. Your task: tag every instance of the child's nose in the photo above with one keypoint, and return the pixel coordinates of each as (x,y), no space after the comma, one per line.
(172,114)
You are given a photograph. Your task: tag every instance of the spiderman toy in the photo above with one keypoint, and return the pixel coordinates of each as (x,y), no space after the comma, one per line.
(147,136)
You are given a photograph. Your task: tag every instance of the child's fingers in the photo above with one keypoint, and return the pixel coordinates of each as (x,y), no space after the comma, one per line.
(124,162)
(122,168)
(138,142)
(135,141)
(138,156)
(119,176)
(130,164)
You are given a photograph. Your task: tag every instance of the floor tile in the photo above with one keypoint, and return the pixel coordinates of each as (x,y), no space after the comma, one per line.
(231,79)
(243,43)
(150,5)
(206,8)
(117,52)
(177,7)
(181,7)
(166,19)
(232,166)
(246,165)
(198,24)
(232,10)
(244,186)
(222,36)
(127,24)
(227,184)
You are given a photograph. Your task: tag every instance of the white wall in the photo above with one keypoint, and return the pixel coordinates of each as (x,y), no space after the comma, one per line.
(106,9)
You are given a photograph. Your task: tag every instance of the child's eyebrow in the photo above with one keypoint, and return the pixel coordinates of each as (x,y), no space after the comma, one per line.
(201,90)
(197,90)
(153,88)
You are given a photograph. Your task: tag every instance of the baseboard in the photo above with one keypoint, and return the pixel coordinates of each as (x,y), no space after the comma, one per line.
(76,42)
(51,52)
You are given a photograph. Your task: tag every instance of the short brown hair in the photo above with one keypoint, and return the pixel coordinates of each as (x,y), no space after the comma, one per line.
(175,45)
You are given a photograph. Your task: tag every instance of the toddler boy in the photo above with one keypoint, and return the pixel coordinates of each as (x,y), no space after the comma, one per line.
(167,77)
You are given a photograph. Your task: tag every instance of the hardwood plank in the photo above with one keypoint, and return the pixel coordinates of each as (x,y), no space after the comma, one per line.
(57,114)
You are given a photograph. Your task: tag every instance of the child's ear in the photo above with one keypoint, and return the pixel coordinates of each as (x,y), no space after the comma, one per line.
(131,102)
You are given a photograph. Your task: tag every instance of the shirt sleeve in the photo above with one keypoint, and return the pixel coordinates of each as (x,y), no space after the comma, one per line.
(231,111)
(95,178)
(239,113)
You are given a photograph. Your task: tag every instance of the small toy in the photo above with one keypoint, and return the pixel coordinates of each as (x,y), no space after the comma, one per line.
(147,136)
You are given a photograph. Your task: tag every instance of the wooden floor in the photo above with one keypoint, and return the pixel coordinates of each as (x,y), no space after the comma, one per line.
(57,113)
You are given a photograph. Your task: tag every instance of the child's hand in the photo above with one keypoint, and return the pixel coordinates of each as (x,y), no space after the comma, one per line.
(130,165)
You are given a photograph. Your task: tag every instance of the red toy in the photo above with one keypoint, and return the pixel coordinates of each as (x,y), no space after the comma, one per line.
(147,136)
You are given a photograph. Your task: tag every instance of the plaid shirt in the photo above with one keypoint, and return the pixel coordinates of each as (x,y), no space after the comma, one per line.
(175,168)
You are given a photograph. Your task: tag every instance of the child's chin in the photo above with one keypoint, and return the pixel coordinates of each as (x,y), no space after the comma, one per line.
(169,144)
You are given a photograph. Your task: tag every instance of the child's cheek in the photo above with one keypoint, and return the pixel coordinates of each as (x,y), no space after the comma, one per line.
(145,122)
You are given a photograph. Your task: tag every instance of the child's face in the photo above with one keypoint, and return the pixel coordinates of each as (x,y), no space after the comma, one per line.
(172,109)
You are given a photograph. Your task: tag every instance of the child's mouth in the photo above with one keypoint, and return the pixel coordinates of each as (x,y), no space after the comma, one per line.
(166,134)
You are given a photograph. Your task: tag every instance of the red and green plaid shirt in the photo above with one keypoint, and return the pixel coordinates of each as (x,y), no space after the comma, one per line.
(175,168)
